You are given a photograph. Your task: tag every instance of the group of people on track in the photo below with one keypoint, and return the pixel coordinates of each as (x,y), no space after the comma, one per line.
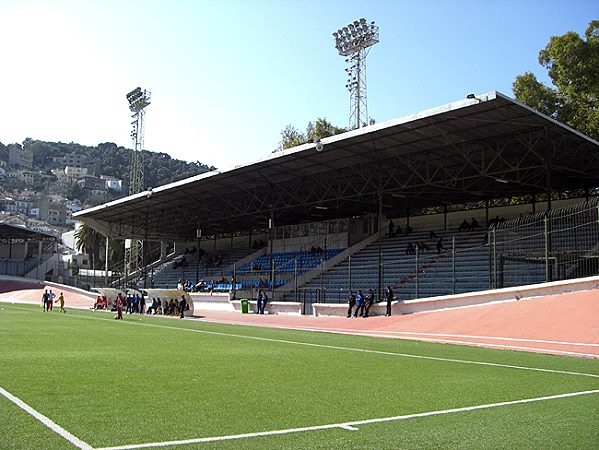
(363,304)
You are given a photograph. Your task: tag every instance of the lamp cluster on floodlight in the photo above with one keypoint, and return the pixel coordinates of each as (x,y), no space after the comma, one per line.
(354,42)
(355,37)
(138,99)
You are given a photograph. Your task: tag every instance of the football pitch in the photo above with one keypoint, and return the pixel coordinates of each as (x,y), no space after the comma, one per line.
(85,380)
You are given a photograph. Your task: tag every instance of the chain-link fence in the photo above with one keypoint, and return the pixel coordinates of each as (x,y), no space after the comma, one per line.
(543,247)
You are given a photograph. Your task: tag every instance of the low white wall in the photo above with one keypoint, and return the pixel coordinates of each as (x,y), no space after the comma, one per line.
(340,309)
(468,299)
(291,308)
(511,293)
(205,301)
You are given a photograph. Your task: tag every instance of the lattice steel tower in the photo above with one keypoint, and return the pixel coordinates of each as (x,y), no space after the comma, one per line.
(138,102)
(354,42)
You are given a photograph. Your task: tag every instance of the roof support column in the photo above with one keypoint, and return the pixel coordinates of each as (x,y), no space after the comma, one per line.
(271,236)
(548,155)
(380,236)
(548,227)
(106,262)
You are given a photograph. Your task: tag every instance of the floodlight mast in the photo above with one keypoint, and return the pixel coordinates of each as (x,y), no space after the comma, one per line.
(354,41)
(138,100)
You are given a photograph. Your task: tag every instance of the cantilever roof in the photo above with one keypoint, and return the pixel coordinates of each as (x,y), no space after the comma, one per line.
(473,149)
(10,231)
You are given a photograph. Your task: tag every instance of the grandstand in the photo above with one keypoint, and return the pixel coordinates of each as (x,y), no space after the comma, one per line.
(432,170)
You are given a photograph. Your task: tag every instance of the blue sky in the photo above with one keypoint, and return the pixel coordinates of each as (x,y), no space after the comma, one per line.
(227,76)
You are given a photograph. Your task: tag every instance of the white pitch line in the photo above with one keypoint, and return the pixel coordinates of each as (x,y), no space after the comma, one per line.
(350,349)
(48,422)
(405,335)
(351,426)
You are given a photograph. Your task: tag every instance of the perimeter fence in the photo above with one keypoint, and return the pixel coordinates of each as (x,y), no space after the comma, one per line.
(537,248)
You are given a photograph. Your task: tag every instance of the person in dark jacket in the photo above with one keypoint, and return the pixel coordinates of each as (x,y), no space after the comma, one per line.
(351,302)
(369,302)
(389,299)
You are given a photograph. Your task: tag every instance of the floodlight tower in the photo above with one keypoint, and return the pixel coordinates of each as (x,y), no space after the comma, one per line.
(138,102)
(354,41)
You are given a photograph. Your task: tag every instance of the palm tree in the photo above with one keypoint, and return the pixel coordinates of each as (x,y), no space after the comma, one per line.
(89,241)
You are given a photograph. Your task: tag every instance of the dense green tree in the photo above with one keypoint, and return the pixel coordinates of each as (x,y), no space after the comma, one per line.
(291,137)
(573,66)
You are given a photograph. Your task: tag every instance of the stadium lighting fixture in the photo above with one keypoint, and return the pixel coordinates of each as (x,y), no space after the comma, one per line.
(354,42)
(138,100)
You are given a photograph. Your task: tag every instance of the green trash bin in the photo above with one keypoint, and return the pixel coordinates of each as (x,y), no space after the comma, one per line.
(245,306)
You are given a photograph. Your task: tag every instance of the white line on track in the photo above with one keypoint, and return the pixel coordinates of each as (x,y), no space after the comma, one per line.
(350,426)
(411,334)
(48,422)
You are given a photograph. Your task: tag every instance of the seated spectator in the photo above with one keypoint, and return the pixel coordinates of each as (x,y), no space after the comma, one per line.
(410,250)
(464,226)
(408,229)
(474,224)
(440,247)
(423,246)
(432,235)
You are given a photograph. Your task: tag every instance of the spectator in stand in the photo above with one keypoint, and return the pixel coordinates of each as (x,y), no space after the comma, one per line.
(389,299)
(391,228)
(464,226)
(440,247)
(369,302)
(432,235)
(474,225)
(410,250)
(423,246)
(408,229)
(351,302)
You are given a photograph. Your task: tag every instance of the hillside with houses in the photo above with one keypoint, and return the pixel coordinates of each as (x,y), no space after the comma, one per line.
(43,183)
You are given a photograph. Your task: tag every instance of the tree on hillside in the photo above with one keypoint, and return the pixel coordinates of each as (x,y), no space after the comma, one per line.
(573,66)
(291,137)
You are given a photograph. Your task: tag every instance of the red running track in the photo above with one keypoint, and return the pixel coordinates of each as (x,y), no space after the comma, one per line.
(564,324)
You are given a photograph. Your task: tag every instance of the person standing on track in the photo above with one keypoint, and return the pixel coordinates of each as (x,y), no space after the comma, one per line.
(389,298)
(369,302)
(351,302)
(359,303)
(182,306)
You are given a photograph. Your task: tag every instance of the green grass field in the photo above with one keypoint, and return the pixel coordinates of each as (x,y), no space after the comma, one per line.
(152,380)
